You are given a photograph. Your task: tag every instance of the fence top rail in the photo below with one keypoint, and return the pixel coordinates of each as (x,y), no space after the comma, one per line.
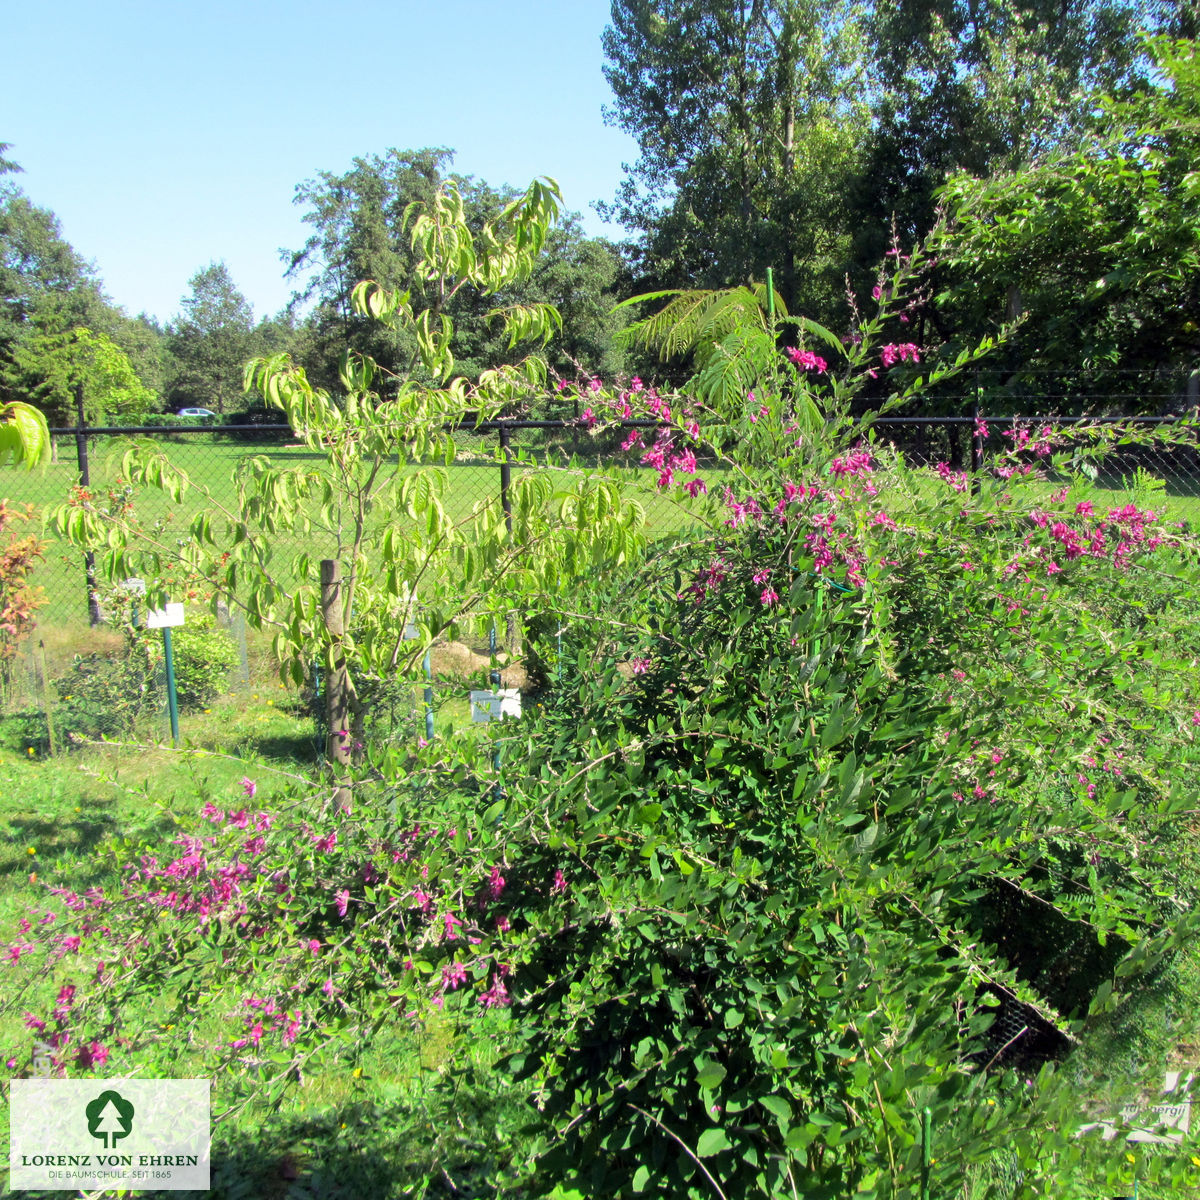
(571,423)
(991,420)
(89,430)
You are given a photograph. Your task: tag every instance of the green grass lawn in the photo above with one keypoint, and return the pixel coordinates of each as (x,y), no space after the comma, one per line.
(211,465)
(380,1118)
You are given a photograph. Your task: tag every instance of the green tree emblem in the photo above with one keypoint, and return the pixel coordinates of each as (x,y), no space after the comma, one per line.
(109,1117)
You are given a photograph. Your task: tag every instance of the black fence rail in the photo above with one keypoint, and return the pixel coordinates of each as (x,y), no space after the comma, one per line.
(489,458)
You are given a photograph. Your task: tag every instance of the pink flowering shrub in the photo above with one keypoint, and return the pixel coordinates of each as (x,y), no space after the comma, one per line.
(820,786)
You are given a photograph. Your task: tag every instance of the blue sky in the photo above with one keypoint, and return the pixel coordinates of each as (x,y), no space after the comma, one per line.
(169,134)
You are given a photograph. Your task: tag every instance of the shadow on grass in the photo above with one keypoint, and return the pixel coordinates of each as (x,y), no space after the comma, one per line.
(462,1146)
(293,750)
(75,836)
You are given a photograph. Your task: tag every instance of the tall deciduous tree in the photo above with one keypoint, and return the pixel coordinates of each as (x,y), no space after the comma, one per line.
(210,342)
(1103,245)
(360,232)
(751,118)
(982,86)
(789,132)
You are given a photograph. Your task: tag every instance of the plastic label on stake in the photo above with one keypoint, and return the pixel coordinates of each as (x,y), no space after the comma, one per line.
(164,618)
(488,706)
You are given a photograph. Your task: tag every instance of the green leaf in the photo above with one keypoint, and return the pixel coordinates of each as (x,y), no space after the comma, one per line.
(710,1075)
(712,1141)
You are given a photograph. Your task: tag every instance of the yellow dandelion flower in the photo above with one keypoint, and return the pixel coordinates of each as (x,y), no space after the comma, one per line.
(32,850)
(28,749)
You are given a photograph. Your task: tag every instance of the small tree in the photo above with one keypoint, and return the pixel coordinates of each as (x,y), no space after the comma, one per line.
(377,498)
(60,369)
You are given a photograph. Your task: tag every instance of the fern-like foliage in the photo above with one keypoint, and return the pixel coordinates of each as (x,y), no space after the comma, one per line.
(695,320)
(730,368)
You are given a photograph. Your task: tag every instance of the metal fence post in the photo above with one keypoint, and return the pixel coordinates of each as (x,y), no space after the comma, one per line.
(976,448)
(505,474)
(85,479)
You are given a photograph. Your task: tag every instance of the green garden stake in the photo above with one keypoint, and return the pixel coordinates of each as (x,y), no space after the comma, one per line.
(428,698)
(926,1150)
(771,297)
(494,679)
(172,698)
(164,619)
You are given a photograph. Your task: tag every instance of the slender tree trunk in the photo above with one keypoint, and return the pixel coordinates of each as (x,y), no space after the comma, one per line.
(338,694)
(95,617)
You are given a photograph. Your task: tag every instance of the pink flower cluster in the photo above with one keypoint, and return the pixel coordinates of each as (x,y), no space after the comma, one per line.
(806,360)
(267,1017)
(956,479)
(895,352)
(856,464)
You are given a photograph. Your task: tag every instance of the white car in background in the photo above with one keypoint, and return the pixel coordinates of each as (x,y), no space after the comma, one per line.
(203,413)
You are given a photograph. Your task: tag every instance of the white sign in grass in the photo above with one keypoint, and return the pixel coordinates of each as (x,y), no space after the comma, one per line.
(1166,1122)
(489,706)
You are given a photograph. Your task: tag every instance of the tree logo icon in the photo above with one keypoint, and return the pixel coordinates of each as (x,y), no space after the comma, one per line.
(109,1117)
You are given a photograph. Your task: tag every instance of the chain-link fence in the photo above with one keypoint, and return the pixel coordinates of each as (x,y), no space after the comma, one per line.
(1161,463)
(490,458)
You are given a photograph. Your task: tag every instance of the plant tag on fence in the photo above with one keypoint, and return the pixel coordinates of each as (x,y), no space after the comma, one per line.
(161,618)
(488,706)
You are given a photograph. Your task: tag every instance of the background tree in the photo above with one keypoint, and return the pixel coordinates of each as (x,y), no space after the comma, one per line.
(359,227)
(48,367)
(48,289)
(751,119)
(210,342)
(40,273)
(1103,244)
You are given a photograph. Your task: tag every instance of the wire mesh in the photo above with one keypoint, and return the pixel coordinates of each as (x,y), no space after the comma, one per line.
(1161,465)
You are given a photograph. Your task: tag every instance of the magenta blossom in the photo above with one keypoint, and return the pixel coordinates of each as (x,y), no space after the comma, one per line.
(453,976)
(249,787)
(92,1055)
(899,352)
(807,360)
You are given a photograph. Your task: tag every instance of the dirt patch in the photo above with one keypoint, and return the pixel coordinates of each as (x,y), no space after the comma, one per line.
(461,661)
